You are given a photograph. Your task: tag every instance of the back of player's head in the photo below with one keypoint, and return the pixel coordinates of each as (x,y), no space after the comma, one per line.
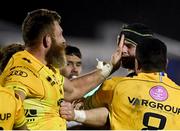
(37,23)
(72,50)
(135,32)
(151,55)
(7,52)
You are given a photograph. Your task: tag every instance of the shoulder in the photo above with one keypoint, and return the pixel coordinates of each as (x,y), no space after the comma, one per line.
(25,60)
(7,93)
(111,82)
(116,79)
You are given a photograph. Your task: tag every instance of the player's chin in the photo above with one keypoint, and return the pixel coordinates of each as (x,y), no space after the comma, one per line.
(128,62)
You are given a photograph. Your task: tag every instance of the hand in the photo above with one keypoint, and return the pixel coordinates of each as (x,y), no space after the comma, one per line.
(116,56)
(67,111)
(106,68)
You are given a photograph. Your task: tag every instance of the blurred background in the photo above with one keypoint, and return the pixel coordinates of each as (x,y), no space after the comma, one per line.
(93,25)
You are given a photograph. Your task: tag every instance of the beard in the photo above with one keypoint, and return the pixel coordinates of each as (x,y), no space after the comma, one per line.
(128,62)
(56,55)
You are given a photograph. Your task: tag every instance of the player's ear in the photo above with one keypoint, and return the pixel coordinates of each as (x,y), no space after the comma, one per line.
(47,41)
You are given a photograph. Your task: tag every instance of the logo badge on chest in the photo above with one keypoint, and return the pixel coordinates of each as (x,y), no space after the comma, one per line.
(158,93)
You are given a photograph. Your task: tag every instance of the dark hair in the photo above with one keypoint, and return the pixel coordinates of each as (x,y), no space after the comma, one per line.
(151,55)
(136,31)
(37,23)
(1,54)
(7,52)
(72,50)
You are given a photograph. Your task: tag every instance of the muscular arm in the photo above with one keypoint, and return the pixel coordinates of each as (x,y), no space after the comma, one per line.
(78,87)
(81,85)
(94,117)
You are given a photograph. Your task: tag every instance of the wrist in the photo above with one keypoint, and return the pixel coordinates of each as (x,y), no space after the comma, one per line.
(80,115)
(106,68)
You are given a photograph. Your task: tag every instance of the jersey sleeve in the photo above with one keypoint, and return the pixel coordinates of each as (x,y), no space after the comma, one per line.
(102,97)
(22,79)
(19,114)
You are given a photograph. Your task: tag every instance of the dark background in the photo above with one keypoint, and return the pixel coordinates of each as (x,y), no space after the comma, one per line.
(80,17)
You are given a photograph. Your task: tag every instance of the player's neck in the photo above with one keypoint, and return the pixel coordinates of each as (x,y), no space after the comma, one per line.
(38,54)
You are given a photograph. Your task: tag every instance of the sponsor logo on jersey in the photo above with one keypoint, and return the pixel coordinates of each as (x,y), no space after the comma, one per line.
(4,116)
(23,67)
(158,93)
(30,114)
(154,105)
(18,73)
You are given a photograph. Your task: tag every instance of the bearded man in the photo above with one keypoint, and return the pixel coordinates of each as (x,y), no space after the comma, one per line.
(34,73)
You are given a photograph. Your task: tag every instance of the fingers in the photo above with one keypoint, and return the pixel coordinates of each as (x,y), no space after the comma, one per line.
(116,56)
(67,110)
(121,41)
(118,52)
(118,38)
(66,107)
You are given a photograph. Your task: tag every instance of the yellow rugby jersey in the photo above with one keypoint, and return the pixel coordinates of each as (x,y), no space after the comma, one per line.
(11,110)
(146,101)
(43,88)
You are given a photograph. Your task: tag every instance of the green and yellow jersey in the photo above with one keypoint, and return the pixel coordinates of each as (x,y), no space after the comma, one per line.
(43,88)
(146,101)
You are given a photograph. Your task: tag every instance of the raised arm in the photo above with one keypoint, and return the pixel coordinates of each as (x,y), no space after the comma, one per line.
(78,87)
